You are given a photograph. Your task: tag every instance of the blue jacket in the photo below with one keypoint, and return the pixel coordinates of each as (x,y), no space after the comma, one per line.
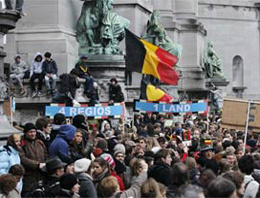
(8,158)
(60,145)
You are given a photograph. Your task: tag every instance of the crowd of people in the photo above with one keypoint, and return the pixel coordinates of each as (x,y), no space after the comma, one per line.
(45,69)
(144,158)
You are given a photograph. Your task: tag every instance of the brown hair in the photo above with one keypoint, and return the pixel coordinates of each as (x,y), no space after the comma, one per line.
(136,166)
(108,186)
(150,189)
(190,163)
(162,153)
(7,183)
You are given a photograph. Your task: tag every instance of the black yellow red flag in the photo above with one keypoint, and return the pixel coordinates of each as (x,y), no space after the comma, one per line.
(146,58)
(152,93)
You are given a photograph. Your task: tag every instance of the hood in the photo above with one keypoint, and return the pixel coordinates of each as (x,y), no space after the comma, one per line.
(67,131)
(17,55)
(55,127)
(37,54)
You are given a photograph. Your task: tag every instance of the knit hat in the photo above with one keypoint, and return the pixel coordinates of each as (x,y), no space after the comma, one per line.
(67,181)
(79,121)
(28,127)
(109,160)
(81,165)
(119,148)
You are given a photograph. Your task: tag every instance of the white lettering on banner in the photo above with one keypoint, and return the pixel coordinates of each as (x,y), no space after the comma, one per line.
(62,110)
(88,111)
(176,108)
(73,111)
(187,107)
(100,111)
(107,111)
(81,110)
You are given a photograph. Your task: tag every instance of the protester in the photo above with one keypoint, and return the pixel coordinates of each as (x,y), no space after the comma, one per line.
(109,186)
(115,91)
(17,72)
(69,186)
(83,172)
(7,185)
(9,154)
(221,187)
(67,89)
(18,172)
(36,73)
(83,70)
(43,126)
(246,166)
(60,145)
(50,70)
(33,156)
(161,171)
(58,120)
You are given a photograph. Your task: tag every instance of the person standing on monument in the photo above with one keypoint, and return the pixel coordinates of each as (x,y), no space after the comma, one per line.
(36,72)
(82,68)
(18,69)
(18,6)
(50,70)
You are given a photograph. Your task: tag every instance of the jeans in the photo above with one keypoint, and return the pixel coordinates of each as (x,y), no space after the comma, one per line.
(88,86)
(40,79)
(17,78)
(53,83)
(18,5)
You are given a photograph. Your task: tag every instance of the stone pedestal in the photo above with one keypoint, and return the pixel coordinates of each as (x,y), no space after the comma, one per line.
(221,87)
(103,68)
(8,20)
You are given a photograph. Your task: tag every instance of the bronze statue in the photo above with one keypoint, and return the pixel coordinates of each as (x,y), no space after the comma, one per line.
(157,35)
(212,63)
(99,28)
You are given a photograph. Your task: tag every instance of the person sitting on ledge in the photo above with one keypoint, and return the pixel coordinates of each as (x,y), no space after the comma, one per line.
(50,70)
(18,6)
(82,68)
(18,69)
(36,72)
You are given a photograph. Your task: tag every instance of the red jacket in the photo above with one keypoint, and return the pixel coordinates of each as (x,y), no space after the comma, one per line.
(119,179)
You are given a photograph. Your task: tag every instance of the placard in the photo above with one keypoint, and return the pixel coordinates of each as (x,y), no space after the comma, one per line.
(97,111)
(172,108)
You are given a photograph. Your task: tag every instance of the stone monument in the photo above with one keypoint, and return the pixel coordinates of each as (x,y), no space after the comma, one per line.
(215,78)
(100,29)
(99,32)
(8,20)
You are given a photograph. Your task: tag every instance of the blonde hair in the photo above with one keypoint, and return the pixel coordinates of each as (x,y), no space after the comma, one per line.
(108,186)
(151,142)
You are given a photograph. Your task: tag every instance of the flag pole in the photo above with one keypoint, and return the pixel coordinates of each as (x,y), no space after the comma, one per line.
(246,129)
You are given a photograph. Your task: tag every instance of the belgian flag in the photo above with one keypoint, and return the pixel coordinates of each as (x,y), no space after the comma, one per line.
(146,58)
(152,93)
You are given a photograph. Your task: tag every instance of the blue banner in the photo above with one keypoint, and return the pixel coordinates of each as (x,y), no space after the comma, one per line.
(95,111)
(171,107)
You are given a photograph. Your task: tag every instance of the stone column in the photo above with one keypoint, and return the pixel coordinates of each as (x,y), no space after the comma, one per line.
(8,20)
(192,36)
